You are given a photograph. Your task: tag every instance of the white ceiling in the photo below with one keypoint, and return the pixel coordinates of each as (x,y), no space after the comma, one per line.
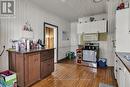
(71,10)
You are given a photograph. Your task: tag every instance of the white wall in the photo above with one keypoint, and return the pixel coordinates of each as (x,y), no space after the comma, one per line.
(26,11)
(74,37)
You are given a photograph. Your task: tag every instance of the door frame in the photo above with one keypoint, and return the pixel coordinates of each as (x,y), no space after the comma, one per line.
(45,23)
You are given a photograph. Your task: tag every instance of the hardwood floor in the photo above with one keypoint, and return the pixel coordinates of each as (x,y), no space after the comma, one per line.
(68,74)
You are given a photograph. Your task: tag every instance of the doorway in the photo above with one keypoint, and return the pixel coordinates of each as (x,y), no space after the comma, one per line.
(51,38)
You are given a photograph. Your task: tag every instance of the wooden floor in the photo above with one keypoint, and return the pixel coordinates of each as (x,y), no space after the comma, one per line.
(69,74)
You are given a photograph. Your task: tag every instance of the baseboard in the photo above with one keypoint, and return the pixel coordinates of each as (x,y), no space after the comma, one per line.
(61,60)
(110,66)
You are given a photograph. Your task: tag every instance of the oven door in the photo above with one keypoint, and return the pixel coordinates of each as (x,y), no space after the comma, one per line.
(89,55)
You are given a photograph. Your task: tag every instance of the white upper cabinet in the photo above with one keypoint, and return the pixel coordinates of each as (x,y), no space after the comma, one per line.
(122,30)
(83,27)
(92,27)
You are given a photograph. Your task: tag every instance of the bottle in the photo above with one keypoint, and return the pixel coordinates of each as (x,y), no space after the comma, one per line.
(28,45)
(17,46)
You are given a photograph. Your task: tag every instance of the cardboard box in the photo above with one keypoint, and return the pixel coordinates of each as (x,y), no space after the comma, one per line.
(9,78)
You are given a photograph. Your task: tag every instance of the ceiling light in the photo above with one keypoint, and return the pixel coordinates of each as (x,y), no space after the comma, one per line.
(63,0)
(96,1)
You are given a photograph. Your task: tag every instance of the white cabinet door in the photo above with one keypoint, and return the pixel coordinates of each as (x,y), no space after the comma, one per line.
(127,79)
(122,31)
(115,66)
(98,26)
(121,78)
(87,28)
(84,28)
(80,28)
(92,27)
(101,26)
(120,73)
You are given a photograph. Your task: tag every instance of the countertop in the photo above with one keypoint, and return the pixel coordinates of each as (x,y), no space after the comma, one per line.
(30,51)
(123,57)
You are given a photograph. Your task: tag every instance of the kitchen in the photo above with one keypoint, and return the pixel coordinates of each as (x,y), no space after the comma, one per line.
(70,32)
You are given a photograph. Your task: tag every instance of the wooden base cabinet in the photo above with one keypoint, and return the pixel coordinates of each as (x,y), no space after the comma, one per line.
(32,66)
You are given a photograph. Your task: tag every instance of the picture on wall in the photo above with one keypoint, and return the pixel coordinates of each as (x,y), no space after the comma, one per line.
(65,35)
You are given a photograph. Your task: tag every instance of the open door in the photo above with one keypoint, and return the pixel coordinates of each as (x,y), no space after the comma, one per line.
(51,38)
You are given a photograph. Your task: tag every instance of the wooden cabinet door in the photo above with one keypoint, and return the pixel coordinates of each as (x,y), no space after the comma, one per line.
(32,68)
(12,61)
(51,65)
(47,67)
(44,69)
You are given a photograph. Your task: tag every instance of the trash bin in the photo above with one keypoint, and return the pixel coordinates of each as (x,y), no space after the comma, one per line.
(102,62)
(70,55)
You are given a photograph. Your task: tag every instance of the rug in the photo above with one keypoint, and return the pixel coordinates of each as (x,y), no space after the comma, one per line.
(105,85)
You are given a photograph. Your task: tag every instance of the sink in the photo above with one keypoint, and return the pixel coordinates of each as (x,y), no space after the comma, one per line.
(127,57)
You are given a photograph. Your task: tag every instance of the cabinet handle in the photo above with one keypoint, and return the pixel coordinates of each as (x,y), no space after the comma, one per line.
(116,70)
(120,69)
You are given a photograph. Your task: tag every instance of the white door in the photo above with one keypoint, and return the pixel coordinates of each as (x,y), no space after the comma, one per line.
(55,45)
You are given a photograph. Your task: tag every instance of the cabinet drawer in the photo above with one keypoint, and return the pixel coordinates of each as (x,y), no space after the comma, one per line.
(48,54)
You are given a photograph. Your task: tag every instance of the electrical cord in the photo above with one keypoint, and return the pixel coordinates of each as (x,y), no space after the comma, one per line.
(2,51)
